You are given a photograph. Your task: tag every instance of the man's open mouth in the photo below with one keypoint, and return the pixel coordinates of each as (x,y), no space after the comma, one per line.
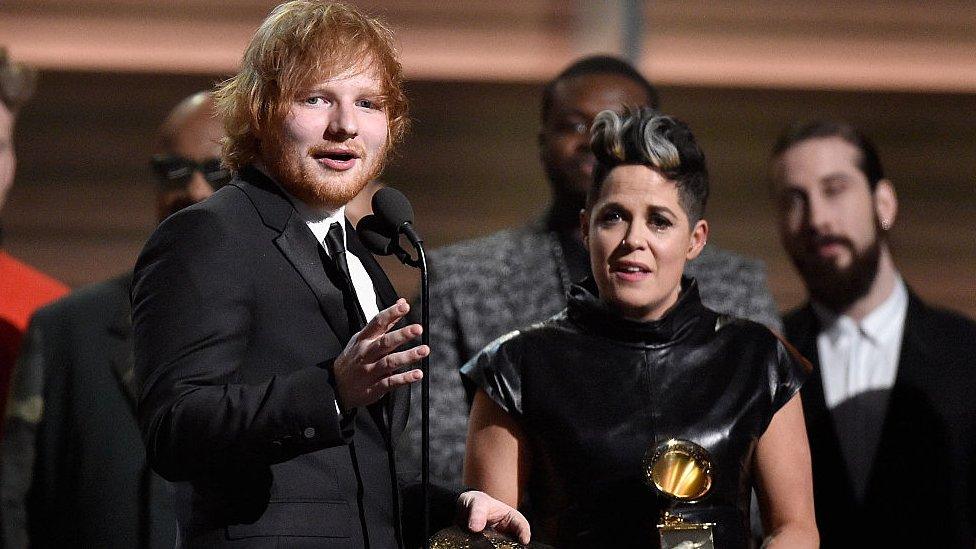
(336,159)
(340,156)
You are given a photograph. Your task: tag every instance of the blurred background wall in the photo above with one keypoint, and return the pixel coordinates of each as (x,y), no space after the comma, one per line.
(736,71)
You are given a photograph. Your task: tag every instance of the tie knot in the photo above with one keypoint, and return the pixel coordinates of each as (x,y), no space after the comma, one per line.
(333,240)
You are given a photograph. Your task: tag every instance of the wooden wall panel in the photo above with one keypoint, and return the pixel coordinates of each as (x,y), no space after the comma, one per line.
(828,44)
(82,205)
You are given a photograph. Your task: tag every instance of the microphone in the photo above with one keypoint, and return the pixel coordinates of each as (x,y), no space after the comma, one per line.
(394,210)
(376,235)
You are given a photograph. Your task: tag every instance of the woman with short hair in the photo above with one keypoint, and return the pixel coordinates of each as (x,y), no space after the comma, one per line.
(569,412)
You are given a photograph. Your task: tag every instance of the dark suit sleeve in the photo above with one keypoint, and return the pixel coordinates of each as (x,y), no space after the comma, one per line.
(25,407)
(192,321)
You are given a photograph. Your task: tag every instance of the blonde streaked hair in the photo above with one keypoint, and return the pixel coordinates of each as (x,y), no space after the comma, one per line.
(301,42)
(646,137)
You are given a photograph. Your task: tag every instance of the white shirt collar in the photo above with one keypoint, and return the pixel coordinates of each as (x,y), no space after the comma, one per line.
(876,325)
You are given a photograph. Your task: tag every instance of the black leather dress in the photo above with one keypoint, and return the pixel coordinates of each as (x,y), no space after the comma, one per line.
(593,391)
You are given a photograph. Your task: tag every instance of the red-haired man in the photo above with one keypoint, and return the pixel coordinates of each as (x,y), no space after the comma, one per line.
(266,337)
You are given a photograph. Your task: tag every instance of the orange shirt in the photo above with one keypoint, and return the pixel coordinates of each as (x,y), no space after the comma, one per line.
(22,290)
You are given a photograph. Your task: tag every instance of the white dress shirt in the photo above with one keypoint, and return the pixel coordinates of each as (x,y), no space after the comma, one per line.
(857,357)
(858,365)
(319,222)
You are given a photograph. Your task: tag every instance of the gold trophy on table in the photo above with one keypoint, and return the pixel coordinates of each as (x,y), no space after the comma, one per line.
(682,471)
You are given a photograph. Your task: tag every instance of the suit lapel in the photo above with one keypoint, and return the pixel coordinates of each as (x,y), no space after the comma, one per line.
(298,245)
(819,420)
(830,468)
(912,349)
(904,404)
(814,402)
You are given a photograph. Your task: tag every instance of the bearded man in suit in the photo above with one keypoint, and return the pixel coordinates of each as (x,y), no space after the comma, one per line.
(273,387)
(889,405)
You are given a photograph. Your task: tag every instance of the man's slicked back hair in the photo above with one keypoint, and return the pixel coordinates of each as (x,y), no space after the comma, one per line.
(869,162)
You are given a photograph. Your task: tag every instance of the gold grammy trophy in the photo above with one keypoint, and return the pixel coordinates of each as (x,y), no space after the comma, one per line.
(682,471)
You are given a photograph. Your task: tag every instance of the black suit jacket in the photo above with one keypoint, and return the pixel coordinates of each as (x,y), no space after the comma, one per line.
(236,322)
(83,462)
(921,491)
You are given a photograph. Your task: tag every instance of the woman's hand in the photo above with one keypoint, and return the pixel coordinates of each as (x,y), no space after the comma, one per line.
(480,510)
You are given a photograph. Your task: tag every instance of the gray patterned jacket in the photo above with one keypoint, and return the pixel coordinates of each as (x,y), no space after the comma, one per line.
(484,288)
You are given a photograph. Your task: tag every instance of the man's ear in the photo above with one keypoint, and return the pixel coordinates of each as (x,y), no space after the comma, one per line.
(697,239)
(584,217)
(885,203)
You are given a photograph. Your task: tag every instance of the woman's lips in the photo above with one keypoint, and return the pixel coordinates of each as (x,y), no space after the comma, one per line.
(630,273)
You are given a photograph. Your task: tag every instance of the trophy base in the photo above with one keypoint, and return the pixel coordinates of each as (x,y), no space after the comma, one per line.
(686,535)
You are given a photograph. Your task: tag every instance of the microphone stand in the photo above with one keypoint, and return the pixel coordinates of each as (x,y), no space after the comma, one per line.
(425,392)
(421,263)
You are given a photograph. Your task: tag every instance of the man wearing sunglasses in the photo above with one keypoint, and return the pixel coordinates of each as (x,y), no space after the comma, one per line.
(80,451)
(188,168)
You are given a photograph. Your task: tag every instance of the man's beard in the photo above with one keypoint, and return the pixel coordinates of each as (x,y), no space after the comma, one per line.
(838,288)
(294,175)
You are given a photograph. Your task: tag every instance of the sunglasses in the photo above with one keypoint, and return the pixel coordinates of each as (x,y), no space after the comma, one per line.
(174,172)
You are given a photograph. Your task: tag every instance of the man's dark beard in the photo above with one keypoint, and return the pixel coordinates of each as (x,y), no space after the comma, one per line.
(837,289)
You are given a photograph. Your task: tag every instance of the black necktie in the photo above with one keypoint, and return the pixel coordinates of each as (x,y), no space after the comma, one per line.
(337,252)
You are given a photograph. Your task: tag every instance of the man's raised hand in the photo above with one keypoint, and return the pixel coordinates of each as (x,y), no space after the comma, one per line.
(366,368)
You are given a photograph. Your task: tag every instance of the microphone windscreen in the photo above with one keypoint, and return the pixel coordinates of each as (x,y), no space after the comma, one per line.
(375,235)
(392,207)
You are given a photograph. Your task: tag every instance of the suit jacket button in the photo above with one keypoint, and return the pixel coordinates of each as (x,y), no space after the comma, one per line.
(309,432)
